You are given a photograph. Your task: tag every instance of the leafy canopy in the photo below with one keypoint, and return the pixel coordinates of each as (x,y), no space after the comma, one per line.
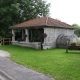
(16,11)
(77,29)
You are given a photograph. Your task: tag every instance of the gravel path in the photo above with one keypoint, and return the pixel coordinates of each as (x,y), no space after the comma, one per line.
(19,72)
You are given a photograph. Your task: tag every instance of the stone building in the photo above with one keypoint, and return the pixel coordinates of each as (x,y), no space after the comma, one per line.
(40,33)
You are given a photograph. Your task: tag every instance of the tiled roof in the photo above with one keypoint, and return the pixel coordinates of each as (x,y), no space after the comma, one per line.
(42,22)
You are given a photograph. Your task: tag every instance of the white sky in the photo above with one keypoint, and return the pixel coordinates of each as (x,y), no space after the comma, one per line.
(65,10)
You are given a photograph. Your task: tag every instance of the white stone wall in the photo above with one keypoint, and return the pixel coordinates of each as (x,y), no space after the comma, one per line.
(36,45)
(63,31)
(70,32)
(52,34)
(49,41)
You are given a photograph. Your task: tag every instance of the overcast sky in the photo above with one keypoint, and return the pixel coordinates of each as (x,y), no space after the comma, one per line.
(65,10)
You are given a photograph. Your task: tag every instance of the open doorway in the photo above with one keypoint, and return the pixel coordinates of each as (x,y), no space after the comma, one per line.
(19,35)
(36,35)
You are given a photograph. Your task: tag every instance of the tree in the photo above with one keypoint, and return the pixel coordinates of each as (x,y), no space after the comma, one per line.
(7,13)
(77,29)
(17,11)
(76,25)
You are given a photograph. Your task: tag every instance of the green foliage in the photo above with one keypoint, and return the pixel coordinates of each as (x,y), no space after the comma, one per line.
(16,11)
(77,29)
(8,14)
(73,43)
(77,32)
(76,25)
(54,62)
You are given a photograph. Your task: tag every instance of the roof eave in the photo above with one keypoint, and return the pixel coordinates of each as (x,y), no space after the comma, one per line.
(24,27)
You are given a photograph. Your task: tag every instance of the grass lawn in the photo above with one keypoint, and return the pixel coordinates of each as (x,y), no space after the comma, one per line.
(54,62)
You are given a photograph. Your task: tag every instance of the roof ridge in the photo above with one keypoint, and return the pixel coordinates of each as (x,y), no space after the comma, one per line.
(46,20)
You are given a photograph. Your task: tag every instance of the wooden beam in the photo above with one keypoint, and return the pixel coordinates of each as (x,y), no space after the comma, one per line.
(67,47)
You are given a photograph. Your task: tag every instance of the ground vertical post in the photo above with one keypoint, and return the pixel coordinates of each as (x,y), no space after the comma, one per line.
(9,40)
(67,47)
(3,41)
(0,41)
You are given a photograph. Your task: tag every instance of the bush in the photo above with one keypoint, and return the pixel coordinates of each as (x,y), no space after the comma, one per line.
(73,44)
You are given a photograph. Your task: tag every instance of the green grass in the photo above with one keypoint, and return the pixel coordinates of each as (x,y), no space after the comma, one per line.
(54,62)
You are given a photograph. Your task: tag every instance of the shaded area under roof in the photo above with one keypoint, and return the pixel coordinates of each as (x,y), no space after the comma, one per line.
(42,22)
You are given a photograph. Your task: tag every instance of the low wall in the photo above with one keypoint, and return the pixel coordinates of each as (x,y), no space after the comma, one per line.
(36,45)
(49,45)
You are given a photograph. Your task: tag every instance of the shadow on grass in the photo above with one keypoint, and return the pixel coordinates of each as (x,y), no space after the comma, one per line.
(74,52)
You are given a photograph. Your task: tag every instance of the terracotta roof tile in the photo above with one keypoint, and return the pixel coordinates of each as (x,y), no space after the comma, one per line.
(44,22)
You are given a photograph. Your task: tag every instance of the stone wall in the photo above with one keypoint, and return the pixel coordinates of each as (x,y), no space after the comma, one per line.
(36,45)
(49,41)
(52,34)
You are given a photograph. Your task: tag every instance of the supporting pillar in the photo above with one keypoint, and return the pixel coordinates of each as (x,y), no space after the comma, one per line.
(22,34)
(27,35)
(13,35)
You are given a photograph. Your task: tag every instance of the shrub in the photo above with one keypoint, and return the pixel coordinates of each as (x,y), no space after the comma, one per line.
(73,44)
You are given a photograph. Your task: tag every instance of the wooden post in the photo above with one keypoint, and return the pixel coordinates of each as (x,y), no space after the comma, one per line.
(67,47)
(9,40)
(3,41)
(0,41)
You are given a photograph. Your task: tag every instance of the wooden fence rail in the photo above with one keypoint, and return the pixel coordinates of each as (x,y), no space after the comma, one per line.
(5,40)
(0,41)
